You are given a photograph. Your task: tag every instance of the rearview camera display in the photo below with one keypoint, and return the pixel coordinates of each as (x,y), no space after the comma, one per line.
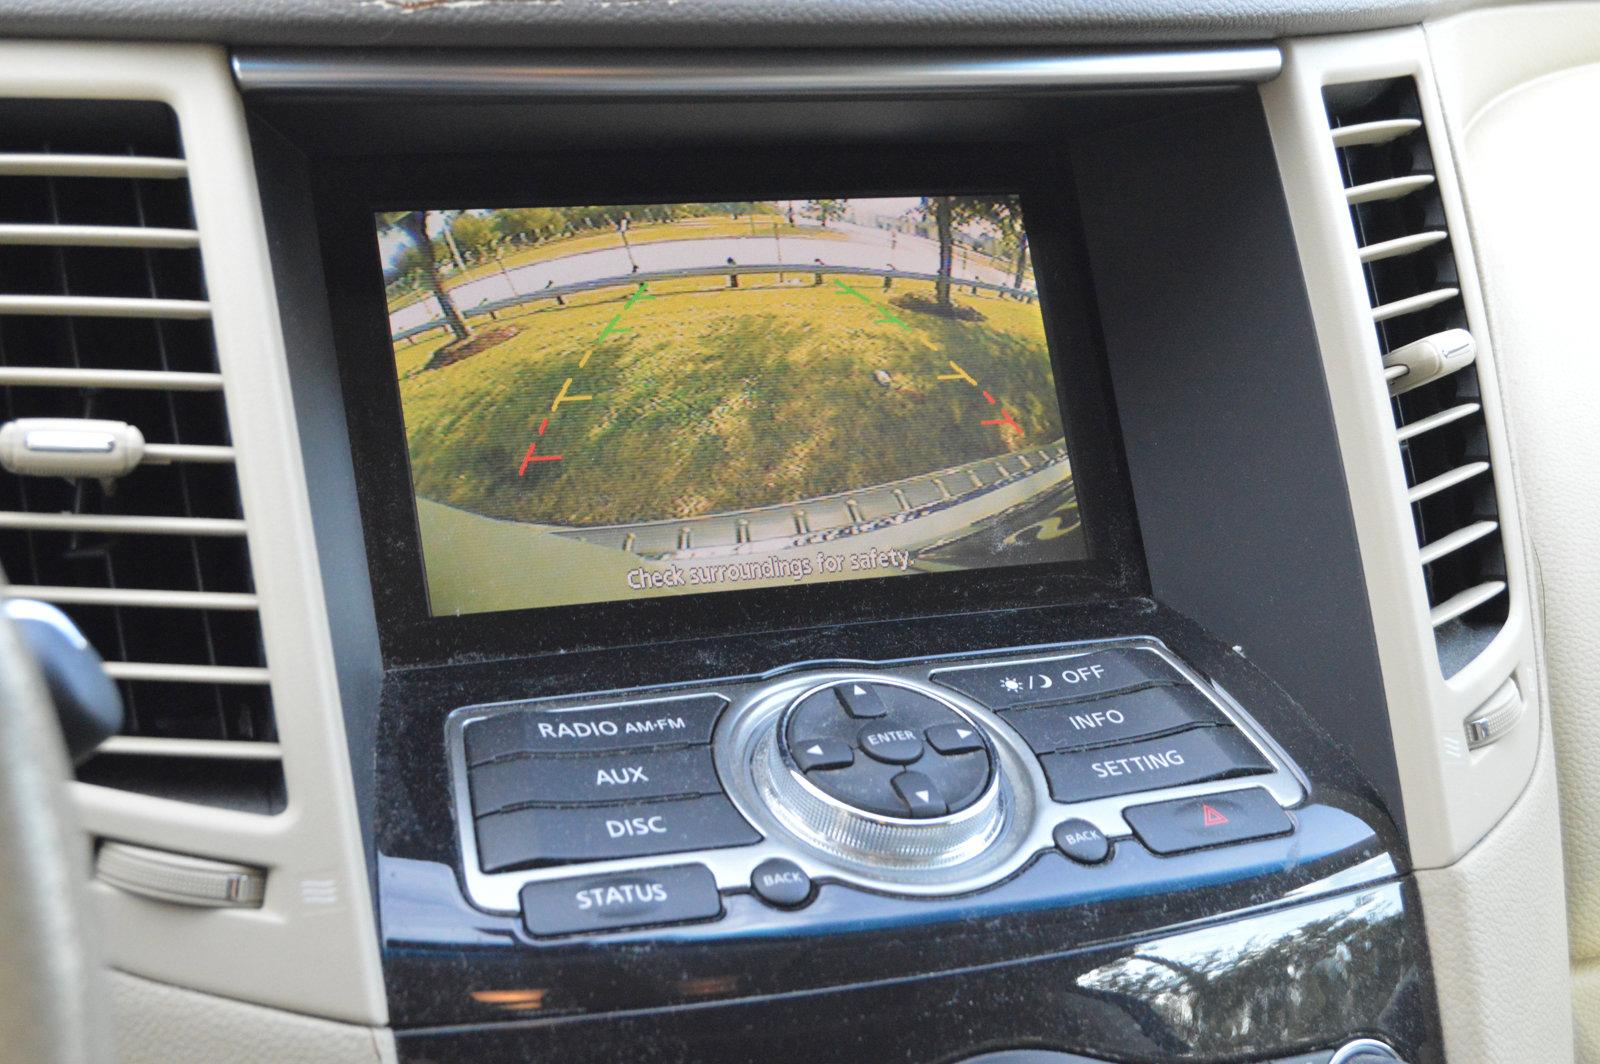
(618,402)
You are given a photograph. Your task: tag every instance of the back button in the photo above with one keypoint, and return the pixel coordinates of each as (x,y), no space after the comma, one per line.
(1082,841)
(780,882)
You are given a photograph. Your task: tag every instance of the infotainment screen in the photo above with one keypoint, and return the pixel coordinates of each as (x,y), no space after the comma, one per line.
(605,403)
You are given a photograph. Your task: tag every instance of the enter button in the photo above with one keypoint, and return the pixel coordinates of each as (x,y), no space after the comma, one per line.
(1209,820)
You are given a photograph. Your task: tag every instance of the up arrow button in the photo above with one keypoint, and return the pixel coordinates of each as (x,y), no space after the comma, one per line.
(861,700)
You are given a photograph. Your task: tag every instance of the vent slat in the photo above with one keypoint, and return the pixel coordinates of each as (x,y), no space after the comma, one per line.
(155,598)
(1461,537)
(1380,132)
(1412,304)
(105,307)
(207,749)
(1465,601)
(1435,421)
(1389,188)
(176,673)
(132,379)
(123,524)
(131,167)
(187,452)
(98,236)
(1446,480)
(1402,245)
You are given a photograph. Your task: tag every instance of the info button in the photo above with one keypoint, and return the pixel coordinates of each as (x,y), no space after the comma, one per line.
(628,899)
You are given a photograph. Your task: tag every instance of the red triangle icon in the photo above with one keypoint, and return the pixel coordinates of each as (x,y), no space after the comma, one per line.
(1213,817)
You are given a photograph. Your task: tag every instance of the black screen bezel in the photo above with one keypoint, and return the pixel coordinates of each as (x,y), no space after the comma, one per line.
(350,191)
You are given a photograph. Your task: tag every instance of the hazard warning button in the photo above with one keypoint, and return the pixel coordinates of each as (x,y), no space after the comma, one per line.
(1209,820)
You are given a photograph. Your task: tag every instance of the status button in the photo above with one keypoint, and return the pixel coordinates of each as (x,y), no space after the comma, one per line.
(628,899)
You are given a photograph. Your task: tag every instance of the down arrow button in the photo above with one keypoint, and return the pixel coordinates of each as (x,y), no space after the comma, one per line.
(922,798)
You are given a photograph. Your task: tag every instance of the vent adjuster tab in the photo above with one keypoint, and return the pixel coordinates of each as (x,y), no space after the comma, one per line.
(70,447)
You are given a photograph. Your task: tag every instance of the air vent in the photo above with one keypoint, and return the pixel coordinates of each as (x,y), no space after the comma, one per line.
(1403,243)
(104,315)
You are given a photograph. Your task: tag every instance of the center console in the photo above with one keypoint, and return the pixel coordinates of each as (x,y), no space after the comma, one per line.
(915,780)
(861,568)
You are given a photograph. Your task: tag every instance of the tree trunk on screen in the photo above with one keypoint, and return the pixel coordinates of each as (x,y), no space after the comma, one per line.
(947,249)
(416,223)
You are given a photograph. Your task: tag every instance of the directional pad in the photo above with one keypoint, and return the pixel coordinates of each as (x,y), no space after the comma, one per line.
(888,749)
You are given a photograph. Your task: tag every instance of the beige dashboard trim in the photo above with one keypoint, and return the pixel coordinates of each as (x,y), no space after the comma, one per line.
(1453,795)
(312,947)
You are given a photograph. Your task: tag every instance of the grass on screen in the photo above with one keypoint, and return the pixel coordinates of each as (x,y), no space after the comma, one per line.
(720,399)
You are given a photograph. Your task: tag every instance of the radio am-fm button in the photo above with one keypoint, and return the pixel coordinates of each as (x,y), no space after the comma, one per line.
(1079,676)
(631,726)
(628,899)
(1188,757)
(521,838)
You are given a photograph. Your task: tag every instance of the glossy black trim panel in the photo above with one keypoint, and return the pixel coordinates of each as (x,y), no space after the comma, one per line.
(1263,984)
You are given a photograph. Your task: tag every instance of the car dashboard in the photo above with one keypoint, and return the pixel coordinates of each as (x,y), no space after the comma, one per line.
(991,535)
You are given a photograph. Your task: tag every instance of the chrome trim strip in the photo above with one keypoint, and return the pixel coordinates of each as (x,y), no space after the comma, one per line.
(741,74)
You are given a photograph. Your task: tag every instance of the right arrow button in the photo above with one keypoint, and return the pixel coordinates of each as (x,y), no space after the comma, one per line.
(954,738)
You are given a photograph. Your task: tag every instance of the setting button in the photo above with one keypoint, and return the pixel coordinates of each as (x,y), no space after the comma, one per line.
(588,780)
(1210,820)
(921,796)
(1115,719)
(1188,757)
(632,726)
(779,881)
(627,899)
(536,835)
(890,742)
(823,754)
(1090,675)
